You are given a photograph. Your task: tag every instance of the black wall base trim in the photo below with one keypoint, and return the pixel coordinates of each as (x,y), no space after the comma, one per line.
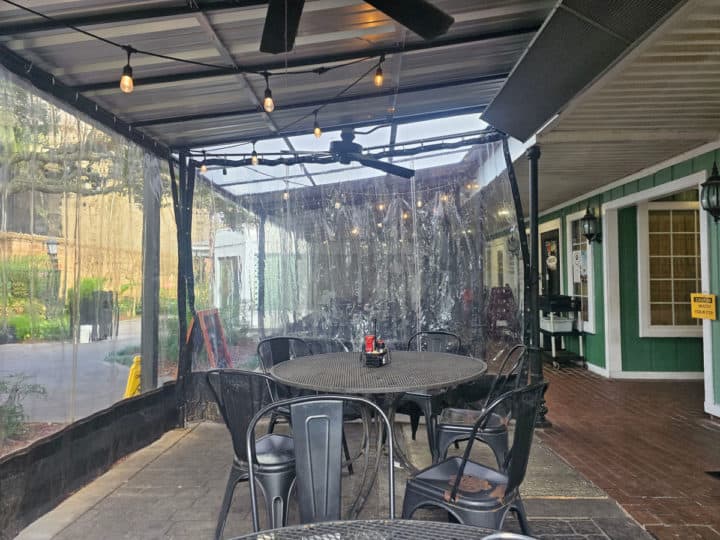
(36,479)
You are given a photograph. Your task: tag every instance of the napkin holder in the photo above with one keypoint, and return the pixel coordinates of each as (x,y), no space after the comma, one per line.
(376,359)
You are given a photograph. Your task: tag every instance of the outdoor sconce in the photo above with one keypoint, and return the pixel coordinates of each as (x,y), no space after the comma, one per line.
(52,247)
(590,226)
(710,194)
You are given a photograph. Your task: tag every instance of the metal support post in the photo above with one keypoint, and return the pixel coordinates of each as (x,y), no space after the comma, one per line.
(535,356)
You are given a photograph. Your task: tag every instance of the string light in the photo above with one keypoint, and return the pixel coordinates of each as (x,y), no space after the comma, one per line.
(254,156)
(286,195)
(381,206)
(203,166)
(338,204)
(127,84)
(406,215)
(316,127)
(378,78)
(268,103)
(419,203)
(444,197)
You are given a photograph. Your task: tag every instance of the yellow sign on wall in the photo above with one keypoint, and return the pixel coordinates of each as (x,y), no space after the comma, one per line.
(703,306)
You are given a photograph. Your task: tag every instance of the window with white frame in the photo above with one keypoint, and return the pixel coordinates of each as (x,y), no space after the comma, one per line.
(668,267)
(580,278)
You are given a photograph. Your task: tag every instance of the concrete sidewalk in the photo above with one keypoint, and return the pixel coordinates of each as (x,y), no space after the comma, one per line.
(173,489)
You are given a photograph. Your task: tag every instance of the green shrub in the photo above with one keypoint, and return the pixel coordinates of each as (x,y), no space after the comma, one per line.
(13,390)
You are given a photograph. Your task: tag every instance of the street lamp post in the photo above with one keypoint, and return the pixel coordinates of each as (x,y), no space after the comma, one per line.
(52,250)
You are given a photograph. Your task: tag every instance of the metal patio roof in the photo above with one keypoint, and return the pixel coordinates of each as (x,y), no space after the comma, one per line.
(186,106)
(658,102)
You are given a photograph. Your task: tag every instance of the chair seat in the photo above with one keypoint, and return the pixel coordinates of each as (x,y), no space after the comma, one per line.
(464,420)
(274,449)
(480,488)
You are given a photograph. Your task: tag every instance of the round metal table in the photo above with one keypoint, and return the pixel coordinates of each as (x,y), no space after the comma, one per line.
(397,529)
(408,371)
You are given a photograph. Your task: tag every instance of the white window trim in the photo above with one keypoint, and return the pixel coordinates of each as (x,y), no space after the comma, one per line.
(589,326)
(646,329)
(543,228)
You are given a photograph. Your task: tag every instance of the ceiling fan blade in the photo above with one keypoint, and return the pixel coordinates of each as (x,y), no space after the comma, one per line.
(420,16)
(384,166)
(275,35)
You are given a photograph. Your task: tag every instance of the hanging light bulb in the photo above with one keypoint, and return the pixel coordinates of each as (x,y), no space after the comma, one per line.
(316,128)
(419,203)
(378,78)
(254,156)
(286,195)
(225,167)
(203,166)
(126,80)
(268,103)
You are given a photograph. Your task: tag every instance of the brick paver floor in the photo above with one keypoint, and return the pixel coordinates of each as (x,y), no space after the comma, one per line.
(648,444)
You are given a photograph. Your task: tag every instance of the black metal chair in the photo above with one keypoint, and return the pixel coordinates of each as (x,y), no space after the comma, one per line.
(422,403)
(473,493)
(456,424)
(318,434)
(240,395)
(320,345)
(275,350)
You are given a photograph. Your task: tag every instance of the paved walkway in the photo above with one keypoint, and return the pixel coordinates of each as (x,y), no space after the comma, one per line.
(173,489)
(647,444)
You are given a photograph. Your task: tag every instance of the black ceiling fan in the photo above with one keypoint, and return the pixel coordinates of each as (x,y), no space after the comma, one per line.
(283,19)
(345,151)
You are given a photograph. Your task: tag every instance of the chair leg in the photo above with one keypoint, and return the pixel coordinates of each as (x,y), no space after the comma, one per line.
(519,509)
(498,443)
(414,423)
(236,475)
(443,440)
(430,429)
(276,488)
(346,451)
(273,421)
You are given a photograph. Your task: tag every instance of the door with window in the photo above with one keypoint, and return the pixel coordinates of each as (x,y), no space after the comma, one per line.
(550,262)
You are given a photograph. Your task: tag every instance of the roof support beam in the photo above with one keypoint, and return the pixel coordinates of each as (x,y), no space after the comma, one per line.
(474,109)
(120,16)
(316,103)
(47,83)
(315,60)
(243,79)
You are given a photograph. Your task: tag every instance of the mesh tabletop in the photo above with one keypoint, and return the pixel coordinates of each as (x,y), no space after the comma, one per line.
(346,373)
(396,529)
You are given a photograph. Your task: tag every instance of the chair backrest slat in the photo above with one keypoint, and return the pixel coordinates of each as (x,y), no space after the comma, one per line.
(317,424)
(317,432)
(239,395)
(526,402)
(276,350)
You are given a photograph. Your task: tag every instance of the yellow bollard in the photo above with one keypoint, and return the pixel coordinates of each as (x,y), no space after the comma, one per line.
(133,382)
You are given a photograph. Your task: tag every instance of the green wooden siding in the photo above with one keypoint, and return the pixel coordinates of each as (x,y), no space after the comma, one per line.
(714,241)
(646,354)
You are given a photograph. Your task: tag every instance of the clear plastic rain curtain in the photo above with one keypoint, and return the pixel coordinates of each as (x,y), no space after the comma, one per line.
(330,263)
(71,251)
